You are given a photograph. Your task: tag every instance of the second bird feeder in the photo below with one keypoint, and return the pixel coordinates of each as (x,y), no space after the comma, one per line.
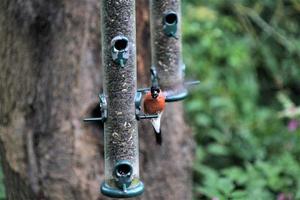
(166,47)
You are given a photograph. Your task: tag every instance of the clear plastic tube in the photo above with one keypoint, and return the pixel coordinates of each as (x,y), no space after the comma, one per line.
(120,128)
(166,43)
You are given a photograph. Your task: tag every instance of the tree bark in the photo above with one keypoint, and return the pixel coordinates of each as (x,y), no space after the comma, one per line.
(50,76)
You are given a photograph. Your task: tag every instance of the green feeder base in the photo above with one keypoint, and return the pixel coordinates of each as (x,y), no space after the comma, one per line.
(177,96)
(117,193)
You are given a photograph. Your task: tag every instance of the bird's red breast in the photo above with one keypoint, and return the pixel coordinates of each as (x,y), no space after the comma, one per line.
(154,106)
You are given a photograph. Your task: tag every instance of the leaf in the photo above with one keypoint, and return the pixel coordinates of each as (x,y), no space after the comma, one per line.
(226,186)
(239,194)
(217,149)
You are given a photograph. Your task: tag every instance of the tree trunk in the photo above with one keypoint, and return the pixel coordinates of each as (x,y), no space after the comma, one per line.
(49,81)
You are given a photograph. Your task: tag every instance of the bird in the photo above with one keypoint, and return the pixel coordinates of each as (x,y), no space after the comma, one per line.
(154,104)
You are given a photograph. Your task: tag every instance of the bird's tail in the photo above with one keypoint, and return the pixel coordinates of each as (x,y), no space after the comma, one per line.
(158,137)
(156,126)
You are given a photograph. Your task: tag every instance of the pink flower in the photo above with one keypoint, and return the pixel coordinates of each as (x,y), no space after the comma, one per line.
(293,125)
(283,196)
(215,198)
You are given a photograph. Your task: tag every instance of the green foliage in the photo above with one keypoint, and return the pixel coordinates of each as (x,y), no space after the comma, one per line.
(246,54)
(2,191)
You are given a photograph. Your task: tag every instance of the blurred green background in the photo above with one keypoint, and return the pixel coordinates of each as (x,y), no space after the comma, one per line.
(2,192)
(244,114)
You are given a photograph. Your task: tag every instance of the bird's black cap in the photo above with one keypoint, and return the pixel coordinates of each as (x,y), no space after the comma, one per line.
(154,91)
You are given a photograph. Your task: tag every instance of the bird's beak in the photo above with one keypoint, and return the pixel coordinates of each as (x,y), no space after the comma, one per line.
(155,94)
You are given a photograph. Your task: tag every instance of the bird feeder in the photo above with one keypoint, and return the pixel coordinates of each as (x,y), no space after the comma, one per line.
(120,103)
(118,100)
(167,63)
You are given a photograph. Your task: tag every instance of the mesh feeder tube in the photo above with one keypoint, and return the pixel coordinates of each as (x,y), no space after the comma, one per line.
(120,127)
(166,47)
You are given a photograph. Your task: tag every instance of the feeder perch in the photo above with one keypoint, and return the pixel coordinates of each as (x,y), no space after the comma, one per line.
(123,175)
(170,20)
(119,50)
(123,172)
(171,96)
(103,109)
